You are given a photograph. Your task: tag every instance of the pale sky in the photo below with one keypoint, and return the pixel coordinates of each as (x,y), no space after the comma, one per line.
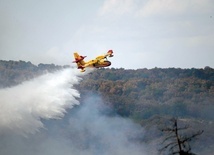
(142,33)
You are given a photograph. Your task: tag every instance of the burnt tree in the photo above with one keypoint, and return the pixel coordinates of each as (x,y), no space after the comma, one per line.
(175,142)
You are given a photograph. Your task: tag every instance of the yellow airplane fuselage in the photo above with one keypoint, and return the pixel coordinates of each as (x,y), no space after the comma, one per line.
(98,63)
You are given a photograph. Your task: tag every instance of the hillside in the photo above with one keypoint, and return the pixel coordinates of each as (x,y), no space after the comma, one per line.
(153,96)
(147,96)
(143,93)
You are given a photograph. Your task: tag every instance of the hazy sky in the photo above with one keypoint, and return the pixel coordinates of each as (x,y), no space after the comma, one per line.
(142,33)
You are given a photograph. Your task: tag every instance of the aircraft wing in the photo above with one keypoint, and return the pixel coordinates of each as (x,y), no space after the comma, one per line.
(108,54)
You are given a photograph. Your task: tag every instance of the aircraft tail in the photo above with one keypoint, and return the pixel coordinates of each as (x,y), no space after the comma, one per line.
(79,60)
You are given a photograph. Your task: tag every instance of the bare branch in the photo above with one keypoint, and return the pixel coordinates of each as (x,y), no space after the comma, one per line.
(191,137)
(179,144)
(168,138)
(168,145)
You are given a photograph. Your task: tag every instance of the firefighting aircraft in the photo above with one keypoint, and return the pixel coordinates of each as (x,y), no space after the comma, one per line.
(100,61)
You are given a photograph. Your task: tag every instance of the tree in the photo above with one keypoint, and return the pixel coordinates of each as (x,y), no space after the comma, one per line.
(175,142)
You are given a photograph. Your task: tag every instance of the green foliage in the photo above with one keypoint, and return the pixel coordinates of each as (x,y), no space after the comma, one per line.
(143,93)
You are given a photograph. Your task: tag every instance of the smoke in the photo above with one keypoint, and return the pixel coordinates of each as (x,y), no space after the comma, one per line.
(46,97)
(88,129)
(34,109)
(97,130)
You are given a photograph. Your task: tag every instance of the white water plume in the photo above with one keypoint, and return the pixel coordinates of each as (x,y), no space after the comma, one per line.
(24,106)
